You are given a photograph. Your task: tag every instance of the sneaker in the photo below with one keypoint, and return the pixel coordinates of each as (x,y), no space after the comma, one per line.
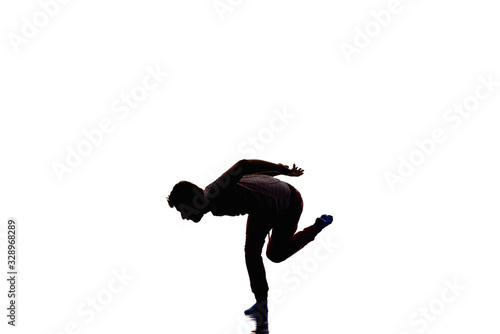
(257,308)
(323,221)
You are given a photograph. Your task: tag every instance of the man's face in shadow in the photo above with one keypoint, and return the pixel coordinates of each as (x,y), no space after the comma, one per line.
(189,213)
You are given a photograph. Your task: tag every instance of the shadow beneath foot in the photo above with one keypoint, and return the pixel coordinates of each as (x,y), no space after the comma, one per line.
(261,323)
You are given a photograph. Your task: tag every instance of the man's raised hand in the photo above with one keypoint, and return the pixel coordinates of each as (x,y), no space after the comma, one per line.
(295,171)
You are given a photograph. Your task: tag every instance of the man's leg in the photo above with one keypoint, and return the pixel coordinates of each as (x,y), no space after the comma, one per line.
(284,241)
(256,231)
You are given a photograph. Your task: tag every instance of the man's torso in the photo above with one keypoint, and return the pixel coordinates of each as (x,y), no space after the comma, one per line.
(252,194)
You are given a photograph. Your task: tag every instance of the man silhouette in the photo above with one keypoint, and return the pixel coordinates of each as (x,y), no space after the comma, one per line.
(249,187)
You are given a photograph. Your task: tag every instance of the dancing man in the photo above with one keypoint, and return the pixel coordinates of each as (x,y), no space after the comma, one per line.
(249,187)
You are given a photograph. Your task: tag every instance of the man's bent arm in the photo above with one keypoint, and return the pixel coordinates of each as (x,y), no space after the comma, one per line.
(275,169)
(254,166)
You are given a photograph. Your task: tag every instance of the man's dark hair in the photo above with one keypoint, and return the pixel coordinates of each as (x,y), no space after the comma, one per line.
(183,192)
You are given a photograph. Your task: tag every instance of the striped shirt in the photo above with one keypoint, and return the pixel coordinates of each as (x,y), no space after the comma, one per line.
(252,194)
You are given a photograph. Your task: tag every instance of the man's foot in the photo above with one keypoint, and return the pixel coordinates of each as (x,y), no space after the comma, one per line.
(323,221)
(258,312)
(258,308)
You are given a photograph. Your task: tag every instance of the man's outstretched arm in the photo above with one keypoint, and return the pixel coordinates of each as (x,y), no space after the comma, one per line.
(253,166)
(268,168)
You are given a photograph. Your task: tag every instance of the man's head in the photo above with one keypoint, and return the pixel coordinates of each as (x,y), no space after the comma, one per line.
(189,200)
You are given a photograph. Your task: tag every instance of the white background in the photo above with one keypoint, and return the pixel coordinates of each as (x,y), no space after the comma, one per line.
(352,120)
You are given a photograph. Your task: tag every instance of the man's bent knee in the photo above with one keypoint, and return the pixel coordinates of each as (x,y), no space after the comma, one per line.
(275,257)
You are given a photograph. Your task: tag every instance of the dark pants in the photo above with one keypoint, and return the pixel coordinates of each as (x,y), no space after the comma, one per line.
(284,242)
